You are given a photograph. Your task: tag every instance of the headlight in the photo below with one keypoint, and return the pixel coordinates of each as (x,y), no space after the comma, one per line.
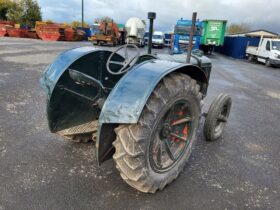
(276,55)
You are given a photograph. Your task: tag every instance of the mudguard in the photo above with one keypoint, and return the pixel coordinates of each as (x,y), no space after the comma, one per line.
(54,71)
(63,109)
(128,98)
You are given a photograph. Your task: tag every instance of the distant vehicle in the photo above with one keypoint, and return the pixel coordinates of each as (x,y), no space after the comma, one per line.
(213,33)
(167,39)
(268,52)
(135,28)
(146,38)
(122,34)
(180,40)
(158,39)
(108,34)
(95,28)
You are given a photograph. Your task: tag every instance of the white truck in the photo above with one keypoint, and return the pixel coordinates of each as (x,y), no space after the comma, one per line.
(158,39)
(268,52)
(135,30)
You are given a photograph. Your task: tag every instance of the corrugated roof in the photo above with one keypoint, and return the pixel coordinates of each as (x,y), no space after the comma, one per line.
(257,33)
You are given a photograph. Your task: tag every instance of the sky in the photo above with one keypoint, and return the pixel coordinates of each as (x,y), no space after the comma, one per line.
(259,14)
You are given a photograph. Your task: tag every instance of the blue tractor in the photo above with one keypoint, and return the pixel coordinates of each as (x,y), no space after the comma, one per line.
(143,111)
(181,36)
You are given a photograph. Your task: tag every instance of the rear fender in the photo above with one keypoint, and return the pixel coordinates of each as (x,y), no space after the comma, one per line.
(126,101)
(65,110)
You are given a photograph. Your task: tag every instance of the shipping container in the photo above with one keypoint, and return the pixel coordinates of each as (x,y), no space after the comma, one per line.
(235,46)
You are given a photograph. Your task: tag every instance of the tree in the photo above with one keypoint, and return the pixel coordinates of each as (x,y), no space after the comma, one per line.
(103,19)
(5,5)
(25,12)
(238,28)
(31,12)
(76,24)
(15,13)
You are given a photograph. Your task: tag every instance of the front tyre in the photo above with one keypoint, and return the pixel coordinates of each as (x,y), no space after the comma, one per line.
(268,63)
(217,117)
(152,153)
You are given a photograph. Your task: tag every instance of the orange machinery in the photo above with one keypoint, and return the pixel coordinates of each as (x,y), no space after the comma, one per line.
(108,34)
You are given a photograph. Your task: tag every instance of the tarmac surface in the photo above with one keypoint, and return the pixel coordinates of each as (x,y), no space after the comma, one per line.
(39,170)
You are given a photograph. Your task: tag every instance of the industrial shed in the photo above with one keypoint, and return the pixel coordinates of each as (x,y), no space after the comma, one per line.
(235,44)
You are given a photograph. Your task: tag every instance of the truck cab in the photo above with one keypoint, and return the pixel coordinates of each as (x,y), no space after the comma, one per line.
(268,52)
(167,39)
(158,39)
(181,36)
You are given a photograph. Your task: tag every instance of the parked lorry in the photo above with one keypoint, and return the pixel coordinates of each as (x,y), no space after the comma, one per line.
(167,39)
(213,32)
(146,38)
(135,31)
(268,52)
(108,34)
(158,39)
(180,39)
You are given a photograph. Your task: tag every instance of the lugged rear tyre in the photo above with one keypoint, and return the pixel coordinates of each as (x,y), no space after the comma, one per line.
(136,144)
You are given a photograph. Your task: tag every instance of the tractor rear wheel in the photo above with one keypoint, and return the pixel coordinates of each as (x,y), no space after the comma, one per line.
(152,153)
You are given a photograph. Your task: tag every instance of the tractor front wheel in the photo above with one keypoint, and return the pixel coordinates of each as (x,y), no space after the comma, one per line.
(217,117)
(152,153)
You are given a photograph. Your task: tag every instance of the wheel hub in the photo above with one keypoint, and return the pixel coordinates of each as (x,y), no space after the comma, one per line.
(166,130)
(171,137)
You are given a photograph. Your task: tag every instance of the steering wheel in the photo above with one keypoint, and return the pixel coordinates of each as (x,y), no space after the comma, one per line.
(125,63)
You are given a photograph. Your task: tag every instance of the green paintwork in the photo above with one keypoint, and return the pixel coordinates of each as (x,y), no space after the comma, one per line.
(213,32)
(121,26)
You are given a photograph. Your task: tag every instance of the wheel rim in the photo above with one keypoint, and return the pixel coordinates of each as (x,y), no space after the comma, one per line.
(171,137)
(222,119)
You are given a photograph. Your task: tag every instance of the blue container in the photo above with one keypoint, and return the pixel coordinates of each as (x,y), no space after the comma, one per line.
(86,30)
(235,47)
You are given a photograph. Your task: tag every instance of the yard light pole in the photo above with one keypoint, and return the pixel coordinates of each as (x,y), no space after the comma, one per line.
(82,13)
(191,38)
(151,16)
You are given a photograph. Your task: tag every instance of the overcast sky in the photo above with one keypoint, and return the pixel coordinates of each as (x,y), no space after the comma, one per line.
(260,14)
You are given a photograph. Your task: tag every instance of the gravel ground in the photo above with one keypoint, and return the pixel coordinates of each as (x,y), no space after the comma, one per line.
(39,170)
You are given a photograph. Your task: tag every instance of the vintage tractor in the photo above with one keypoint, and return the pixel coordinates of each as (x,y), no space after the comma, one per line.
(143,111)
